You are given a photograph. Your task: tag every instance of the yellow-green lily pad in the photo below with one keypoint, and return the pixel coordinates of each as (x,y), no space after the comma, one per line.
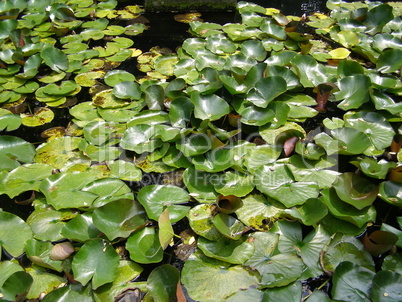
(41,116)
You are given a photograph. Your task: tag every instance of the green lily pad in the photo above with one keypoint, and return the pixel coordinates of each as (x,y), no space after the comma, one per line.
(166,64)
(209,107)
(374,125)
(155,198)
(385,286)
(47,224)
(96,260)
(126,272)
(229,226)
(43,282)
(203,278)
(346,248)
(254,49)
(232,183)
(80,228)
(24,178)
(14,233)
(309,71)
(127,90)
(200,219)
(390,191)
(119,218)
(63,190)
(39,253)
(353,90)
(13,151)
(355,190)
(116,76)
(144,246)
(73,292)
(58,151)
(200,185)
(228,250)
(16,285)
(54,58)
(162,282)
(140,138)
(9,121)
(220,45)
(352,282)
(275,269)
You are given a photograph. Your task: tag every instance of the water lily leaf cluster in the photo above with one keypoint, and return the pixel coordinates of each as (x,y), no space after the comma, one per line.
(260,155)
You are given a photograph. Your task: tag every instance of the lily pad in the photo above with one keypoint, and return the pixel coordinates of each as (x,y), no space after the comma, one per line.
(203,278)
(155,198)
(13,151)
(96,260)
(119,218)
(355,190)
(209,107)
(14,233)
(144,246)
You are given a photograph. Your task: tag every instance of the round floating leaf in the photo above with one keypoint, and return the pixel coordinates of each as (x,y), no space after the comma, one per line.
(162,283)
(389,61)
(166,64)
(254,49)
(126,272)
(346,248)
(233,183)
(276,270)
(257,116)
(355,190)
(64,190)
(43,282)
(73,292)
(116,76)
(353,90)
(200,185)
(125,170)
(127,90)
(195,144)
(14,233)
(119,218)
(96,260)
(391,192)
(374,125)
(54,58)
(351,282)
(228,250)
(214,161)
(345,211)
(16,285)
(155,198)
(292,292)
(9,121)
(47,224)
(80,228)
(58,151)
(351,140)
(386,287)
(212,280)
(106,99)
(209,107)
(14,150)
(88,79)
(140,138)
(309,71)
(41,116)
(144,246)
(220,45)
(24,178)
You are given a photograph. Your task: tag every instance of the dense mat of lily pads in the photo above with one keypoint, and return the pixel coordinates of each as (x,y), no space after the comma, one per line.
(261,154)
